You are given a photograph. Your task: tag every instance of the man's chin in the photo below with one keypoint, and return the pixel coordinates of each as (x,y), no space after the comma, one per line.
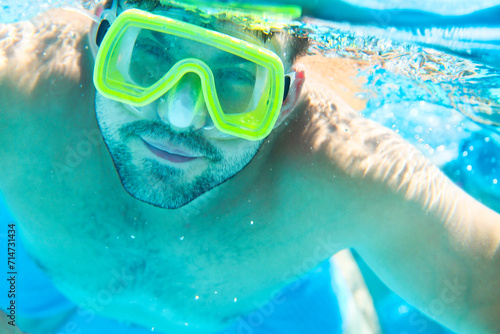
(169,205)
(152,197)
(169,195)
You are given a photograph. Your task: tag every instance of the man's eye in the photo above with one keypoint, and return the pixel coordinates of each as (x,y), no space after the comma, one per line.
(150,62)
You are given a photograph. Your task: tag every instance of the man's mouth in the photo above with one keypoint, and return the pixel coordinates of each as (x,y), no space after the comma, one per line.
(169,153)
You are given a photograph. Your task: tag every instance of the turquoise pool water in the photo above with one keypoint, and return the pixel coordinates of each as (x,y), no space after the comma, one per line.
(436,82)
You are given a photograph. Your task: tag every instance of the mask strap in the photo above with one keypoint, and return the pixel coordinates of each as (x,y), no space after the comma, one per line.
(108,16)
(289,79)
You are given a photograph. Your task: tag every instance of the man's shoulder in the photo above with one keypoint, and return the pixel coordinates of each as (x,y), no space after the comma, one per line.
(47,46)
(332,127)
(341,76)
(46,93)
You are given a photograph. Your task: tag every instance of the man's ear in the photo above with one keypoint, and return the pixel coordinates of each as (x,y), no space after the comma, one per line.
(294,92)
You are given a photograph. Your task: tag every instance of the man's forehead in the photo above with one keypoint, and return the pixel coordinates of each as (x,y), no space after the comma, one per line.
(227,24)
(192,15)
(209,12)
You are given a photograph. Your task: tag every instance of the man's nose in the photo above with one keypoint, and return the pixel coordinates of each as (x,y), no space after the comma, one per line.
(183,106)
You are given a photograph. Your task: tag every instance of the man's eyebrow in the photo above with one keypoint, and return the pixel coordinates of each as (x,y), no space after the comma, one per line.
(161,37)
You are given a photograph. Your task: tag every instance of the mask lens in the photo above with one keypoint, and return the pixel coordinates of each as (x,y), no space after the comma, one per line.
(239,84)
(152,54)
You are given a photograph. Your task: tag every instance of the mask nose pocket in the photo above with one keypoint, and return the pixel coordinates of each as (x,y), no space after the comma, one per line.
(183,106)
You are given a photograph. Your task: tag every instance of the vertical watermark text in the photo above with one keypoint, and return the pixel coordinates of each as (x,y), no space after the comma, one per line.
(11,273)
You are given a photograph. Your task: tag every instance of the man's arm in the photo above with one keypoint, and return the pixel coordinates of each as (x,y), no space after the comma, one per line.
(426,238)
(440,250)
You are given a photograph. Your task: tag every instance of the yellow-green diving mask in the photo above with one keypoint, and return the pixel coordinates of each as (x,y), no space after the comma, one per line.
(143,56)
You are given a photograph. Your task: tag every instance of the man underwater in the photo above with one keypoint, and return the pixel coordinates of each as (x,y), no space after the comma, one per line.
(194,195)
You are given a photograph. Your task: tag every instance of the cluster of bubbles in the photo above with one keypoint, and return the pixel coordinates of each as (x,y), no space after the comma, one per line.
(398,59)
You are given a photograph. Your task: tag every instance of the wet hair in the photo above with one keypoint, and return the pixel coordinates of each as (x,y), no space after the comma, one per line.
(297,46)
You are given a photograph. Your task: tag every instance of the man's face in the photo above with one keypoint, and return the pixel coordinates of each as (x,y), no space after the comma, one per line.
(166,167)
(169,153)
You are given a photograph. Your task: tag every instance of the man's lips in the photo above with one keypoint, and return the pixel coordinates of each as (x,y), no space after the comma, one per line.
(166,152)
